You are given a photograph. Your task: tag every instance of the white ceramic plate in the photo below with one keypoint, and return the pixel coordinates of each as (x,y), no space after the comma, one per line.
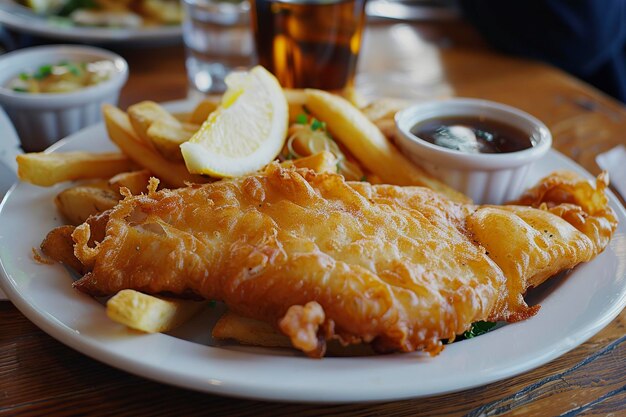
(23,19)
(9,148)
(574,307)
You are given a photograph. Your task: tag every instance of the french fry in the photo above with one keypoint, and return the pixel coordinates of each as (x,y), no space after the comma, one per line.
(252,332)
(78,203)
(296,100)
(135,181)
(46,169)
(369,146)
(142,115)
(167,138)
(192,127)
(202,111)
(122,134)
(183,117)
(248,331)
(160,129)
(382,112)
(319,162)
(384,109)
(388,128)
(59,245)
(148,313)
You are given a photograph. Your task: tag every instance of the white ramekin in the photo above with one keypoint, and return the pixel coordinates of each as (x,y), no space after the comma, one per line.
(485,178)
(42,119)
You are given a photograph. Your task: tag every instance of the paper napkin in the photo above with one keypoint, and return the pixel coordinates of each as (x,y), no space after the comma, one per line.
(614,161)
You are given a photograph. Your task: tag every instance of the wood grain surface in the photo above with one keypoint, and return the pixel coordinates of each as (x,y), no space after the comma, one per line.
(40,376)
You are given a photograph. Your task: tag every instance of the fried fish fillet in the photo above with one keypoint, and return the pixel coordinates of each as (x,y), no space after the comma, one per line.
(320,258)
(562,221)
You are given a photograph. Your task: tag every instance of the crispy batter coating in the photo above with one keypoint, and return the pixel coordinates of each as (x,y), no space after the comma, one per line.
(562,221)
(321,258)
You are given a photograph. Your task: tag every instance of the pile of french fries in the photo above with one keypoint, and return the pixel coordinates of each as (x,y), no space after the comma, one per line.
(149,138)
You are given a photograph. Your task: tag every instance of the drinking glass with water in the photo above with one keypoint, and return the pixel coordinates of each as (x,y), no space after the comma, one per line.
(218,40)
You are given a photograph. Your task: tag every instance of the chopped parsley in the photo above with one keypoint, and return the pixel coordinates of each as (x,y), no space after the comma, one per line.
(317,125)
(42,72)
(302,119)
(73,69)
(478,328)
(62,77)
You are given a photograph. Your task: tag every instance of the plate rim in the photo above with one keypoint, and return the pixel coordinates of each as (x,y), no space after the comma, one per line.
(9,148)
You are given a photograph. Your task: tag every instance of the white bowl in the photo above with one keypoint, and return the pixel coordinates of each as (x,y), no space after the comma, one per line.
(42,119)
(485,178)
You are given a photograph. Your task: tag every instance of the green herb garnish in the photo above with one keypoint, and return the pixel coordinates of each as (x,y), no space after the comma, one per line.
(73,69)
(42,72)
(24,76)
(478,328)
(317,125)
(20,89)
(302,119)
(73,5)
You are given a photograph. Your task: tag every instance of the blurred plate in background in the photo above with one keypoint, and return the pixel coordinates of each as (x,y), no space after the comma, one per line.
(22,19)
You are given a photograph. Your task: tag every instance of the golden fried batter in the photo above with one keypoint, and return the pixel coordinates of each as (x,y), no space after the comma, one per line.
(321,258)
(562,221)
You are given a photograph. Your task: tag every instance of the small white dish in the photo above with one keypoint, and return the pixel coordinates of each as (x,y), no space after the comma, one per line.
(485,178)
(42,119)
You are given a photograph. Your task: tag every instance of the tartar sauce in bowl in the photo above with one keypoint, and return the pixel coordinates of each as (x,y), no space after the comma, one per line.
(52,91)
(62,77)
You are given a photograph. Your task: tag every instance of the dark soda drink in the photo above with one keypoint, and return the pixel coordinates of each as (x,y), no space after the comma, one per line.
(309,43)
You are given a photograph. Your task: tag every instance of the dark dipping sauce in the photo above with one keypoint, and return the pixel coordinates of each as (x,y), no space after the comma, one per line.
(472,134)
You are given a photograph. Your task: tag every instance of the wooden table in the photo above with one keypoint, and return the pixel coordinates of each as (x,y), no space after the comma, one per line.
(40,376)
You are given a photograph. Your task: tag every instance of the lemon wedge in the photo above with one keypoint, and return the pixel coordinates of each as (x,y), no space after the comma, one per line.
(246,132)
